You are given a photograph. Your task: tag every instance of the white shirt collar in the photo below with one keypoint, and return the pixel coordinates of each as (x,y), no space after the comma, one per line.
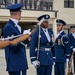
(44,29)
(60,32)
(15,21)
(16,24)
(73,35)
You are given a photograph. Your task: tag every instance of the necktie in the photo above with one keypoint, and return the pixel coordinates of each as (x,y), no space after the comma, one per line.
(47,34)
(45,30)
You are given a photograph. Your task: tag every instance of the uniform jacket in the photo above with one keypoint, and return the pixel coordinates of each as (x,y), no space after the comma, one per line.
(15,55)
(62,47)
(72,40)
(45,57)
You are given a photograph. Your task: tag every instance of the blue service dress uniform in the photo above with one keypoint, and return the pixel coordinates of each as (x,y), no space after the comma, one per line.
(72,42)
(15,55)
(45,56)
(62,51)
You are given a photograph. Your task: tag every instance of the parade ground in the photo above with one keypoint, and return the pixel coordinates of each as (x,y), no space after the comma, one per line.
(30,71)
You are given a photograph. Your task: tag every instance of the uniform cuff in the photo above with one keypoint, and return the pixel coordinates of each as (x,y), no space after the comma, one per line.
(67,56)
(33,59)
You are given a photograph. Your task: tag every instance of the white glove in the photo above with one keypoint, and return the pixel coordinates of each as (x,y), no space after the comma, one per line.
(36,63)
(74,49)
(27,31)
(67,60)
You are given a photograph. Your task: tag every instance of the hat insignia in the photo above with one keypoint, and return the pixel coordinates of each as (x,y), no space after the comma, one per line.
(58,20)
(46,16)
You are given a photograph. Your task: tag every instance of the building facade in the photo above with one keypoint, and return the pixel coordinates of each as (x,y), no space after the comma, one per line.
(63,9)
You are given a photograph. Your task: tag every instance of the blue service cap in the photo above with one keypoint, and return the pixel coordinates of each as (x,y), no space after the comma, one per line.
(46,17)
(59,21)
(15,7)
(72,26)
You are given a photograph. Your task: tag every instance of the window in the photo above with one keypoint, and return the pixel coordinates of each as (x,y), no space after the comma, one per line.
(69,3)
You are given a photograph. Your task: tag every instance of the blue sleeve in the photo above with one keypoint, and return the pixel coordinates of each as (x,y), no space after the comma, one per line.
(33,46)
(71,44)
(66,43)
(52,44)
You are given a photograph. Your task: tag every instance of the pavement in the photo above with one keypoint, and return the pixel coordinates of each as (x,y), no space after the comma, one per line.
(30,71)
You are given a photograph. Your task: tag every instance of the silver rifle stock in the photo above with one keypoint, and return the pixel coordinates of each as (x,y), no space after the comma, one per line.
(39,37)
(11,37)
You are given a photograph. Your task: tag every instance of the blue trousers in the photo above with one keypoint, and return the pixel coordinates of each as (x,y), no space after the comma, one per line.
(17,73)
(44,70)
(59,68)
